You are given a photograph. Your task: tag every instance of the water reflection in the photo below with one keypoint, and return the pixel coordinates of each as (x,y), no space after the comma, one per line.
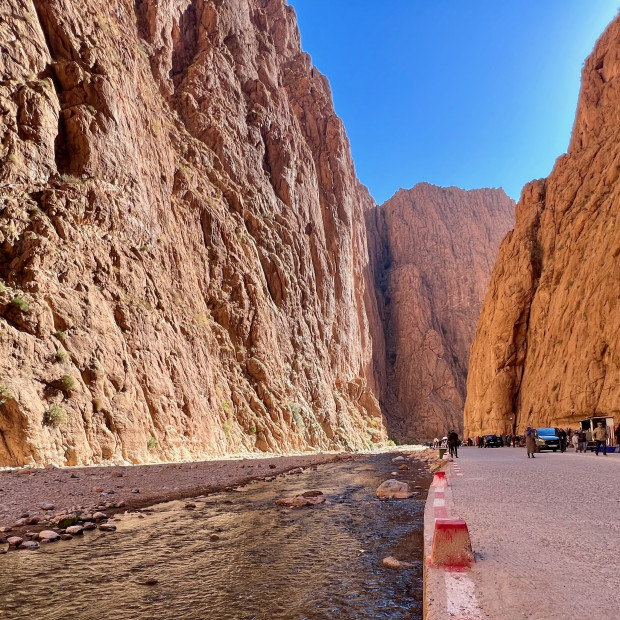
(237,556)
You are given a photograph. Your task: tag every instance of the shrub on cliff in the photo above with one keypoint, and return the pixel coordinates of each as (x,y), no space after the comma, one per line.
(55,416)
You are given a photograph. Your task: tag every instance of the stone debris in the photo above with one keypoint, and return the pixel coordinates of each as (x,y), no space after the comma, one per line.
(308,498)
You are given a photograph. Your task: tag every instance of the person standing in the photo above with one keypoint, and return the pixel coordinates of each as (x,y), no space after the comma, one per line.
(617,434)
(530,442)
(575,440)
(583,441)
(453,442)
(562,436)
(600,437)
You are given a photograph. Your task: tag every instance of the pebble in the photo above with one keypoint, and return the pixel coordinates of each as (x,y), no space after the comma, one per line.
(20,522)
(107,527)
(48,536)
(214,537)
(99,516)
(403,467)
(392,562)
(90,526)
(97,490)
(14,541)
(47,506)
(75,529)
(2,550)
(66,537)
(190,505)
(135,490)
(397,459)
(29,544)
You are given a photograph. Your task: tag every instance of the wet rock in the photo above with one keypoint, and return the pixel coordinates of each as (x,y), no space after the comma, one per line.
(75,530)
(2,550)
(66,537)
(14,541)
(32,521)
(29,545)
(394,489)
(107,527)
(309,498)
(89,526)
(48,536)
(99,516)
(393,563)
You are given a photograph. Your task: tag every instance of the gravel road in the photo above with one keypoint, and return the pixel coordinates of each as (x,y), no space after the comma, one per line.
(546,532)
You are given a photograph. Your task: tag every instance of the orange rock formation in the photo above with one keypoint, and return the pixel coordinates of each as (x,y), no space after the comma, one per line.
(434,249)
(547,349)
(183,249)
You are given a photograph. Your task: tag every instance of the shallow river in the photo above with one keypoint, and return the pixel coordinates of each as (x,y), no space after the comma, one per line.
(268,563)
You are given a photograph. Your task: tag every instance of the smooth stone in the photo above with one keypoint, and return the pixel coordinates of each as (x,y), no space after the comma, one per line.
(397,459)
(403,467)
(90,526)
(392,562)
(48,536)
(100,516)
(393,489)
(107,527)
(75,529)
(29,544)
(47,506)
(14,541)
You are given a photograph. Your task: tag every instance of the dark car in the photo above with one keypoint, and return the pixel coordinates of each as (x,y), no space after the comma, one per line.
(492,441)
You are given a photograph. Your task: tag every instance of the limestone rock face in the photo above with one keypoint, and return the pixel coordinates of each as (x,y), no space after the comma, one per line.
(547,349)
(433,249)
(182,244)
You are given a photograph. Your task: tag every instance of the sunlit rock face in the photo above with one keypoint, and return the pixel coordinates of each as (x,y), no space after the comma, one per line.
(183,249)
(433,251)
(547,348)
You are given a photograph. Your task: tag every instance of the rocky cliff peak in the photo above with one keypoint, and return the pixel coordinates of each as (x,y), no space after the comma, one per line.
(547,349)
(434,249)
(182,244)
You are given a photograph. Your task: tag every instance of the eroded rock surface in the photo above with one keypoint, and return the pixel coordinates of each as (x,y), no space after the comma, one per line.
(433,250)
(547,349)
(183,251)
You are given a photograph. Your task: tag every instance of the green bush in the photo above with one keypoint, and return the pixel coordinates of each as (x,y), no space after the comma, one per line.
(62,356)
(5,393)
(60,335)
(55,416)
(98,404)
(151,444)
(21,304)
(67,383)
(297,417)
(253,429)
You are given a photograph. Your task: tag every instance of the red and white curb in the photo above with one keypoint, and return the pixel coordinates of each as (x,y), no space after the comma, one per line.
(448,593)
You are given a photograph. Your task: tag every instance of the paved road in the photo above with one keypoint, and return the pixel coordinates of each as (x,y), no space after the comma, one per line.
(547,532)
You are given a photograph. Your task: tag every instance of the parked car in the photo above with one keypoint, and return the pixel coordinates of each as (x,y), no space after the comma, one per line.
(546,439)
(493,441)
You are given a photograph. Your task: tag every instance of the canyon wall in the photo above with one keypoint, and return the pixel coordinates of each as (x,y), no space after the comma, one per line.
(433,250)
(546,351)
(183,255)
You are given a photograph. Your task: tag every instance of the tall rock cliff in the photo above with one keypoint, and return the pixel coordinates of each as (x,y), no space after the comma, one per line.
(547,349)
(183,251)
(433,251)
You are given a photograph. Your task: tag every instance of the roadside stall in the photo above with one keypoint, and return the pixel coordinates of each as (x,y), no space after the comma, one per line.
(589,424)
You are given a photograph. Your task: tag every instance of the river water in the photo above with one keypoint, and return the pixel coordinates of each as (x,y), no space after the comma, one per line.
(267,563)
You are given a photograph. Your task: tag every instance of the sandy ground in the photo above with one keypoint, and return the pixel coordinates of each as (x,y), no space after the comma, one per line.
(546,532)
(86,489)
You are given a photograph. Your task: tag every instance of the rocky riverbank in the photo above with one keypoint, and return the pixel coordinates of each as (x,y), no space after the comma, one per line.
(54,499)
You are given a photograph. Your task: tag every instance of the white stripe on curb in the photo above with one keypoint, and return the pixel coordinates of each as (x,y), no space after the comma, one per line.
(461,600)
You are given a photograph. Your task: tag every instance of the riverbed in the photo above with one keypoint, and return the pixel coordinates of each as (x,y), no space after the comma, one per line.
(237,555)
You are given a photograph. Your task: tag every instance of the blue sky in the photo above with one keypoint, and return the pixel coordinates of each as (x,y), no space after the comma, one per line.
(478,93)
